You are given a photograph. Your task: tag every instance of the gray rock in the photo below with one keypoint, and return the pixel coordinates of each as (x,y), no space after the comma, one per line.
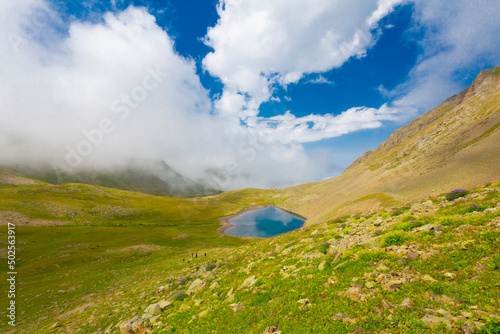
(134,326)
(271,330)
(250,281)
(393,285)
(55,325)
(214,285)
(407,303)
(303,303)
(432,321)
(412,256)
(164,304)
(230,295)
(197,285)
(152,310)
(236,306)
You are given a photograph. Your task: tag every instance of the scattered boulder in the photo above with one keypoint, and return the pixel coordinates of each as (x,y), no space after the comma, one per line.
(344,318)
(304,303)
(322,265)
(136,325)
(214,285)
(412,256)
(197,285)
(164,304)
(250,281)
(201,314)
(470,327)
(355,294)
(407,303)
(54,325)
(450,276)
(152,310)
(432,321)
(428,278)
(236,306)
(393,285)
(230,295)
(271,330)
(184,307)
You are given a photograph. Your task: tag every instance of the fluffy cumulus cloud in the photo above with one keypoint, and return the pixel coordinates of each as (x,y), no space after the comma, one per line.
(259,44)
(99,94)
(459,40)
(288,129)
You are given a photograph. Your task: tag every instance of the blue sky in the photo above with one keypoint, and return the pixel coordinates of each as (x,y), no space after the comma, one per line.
(267,93)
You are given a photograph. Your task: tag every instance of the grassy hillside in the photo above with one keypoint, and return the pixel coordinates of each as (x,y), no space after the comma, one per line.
(84,239)
(454,145)
(432,266)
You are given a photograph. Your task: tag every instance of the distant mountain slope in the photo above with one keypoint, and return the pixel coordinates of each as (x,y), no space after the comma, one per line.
(155,178)
(456,144)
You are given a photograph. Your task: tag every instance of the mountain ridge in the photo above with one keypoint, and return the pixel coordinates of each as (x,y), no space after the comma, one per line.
(149,177)
(454,144)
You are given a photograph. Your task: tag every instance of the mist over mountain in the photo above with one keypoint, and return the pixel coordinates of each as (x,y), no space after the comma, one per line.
(150,177)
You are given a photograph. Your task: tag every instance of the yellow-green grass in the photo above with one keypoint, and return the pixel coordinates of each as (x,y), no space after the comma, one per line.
(80,239)
(116,283)
(125,283)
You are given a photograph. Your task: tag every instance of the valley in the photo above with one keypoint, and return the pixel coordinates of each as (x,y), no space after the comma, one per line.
(383,249)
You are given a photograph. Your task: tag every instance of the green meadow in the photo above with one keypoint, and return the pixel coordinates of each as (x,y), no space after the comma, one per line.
(98,258)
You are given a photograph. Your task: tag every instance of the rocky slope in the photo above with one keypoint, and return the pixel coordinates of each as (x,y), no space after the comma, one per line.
(453,145)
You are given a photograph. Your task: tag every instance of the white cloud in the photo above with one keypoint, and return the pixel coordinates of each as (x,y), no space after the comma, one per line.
(259,44)
(111,91)
(461,39)
(320,80)
(289,129)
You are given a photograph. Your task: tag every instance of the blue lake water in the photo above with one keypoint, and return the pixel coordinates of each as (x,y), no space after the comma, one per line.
(263,223)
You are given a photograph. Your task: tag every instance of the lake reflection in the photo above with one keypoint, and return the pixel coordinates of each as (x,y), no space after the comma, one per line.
(264,223)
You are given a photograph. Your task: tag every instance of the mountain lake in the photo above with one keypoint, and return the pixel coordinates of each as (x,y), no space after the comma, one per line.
(263,223)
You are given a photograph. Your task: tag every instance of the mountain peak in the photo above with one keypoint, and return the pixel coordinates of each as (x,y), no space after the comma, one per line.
(451,146)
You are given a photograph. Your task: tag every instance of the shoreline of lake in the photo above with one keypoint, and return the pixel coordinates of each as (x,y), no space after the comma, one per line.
(226,224)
